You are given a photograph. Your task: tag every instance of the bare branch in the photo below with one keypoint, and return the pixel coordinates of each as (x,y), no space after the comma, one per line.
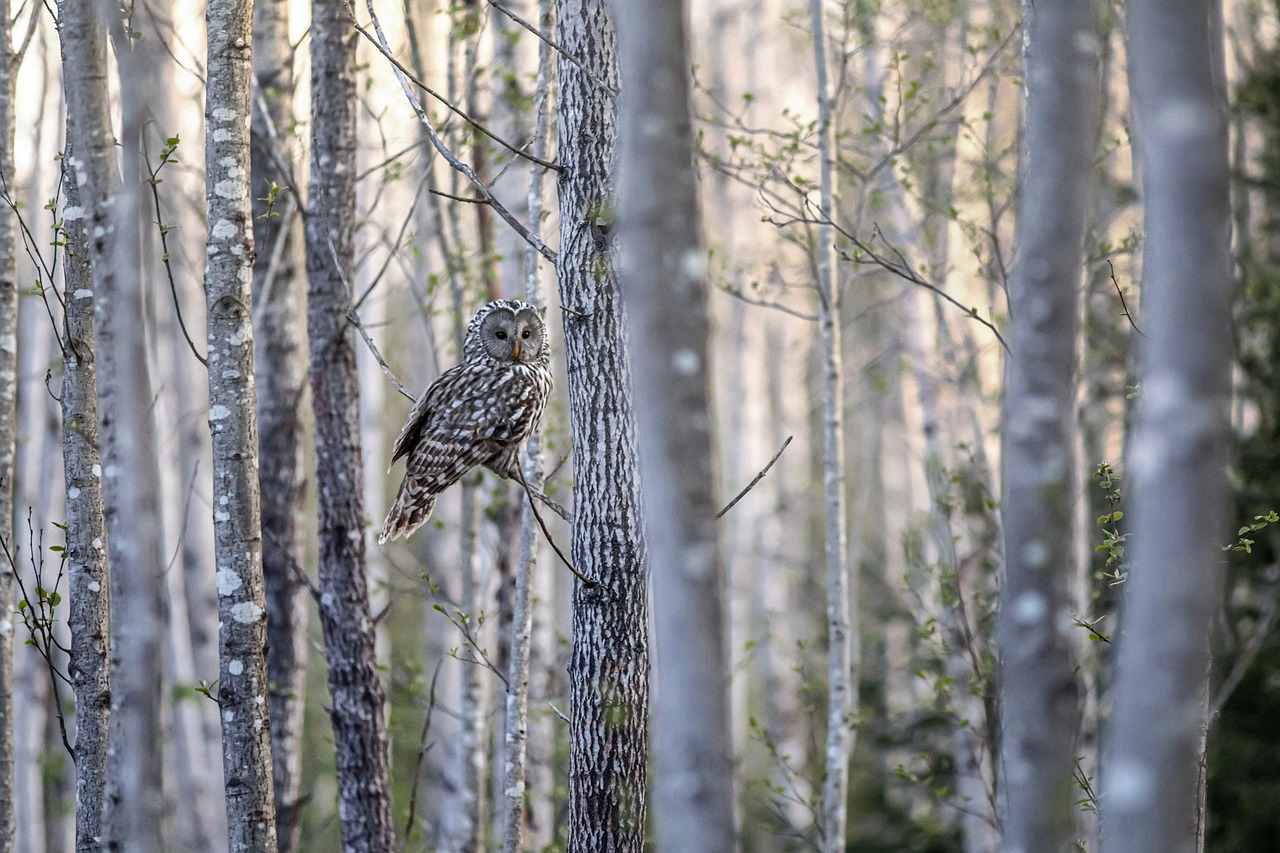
(605,87)
(765,470)
(440,146)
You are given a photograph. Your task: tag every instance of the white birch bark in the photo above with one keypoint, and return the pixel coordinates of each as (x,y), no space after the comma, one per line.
(1039,690)
(515,787)
(8,428)
(609,665)
(91,161)
(1177,465)
(663,275)
(229,258)
(842,636)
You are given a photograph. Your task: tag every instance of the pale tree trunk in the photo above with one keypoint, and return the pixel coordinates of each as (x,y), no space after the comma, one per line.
(842,637)
(242,675)
(8,427)
(1040,693)
(1177,466)
(356,693)
(664,278)
(280,367)
(84,48)
(609,664)
(516,737)
(134,811)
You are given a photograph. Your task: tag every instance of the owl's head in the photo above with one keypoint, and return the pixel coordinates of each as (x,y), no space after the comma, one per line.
(506,330)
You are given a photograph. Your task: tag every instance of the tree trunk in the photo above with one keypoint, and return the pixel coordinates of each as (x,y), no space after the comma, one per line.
(134,811)
(8,426)
(356,692)
(246,722)
(1178,463)
(281,371)
(1040,692)
(842,635)
(663,277)
(516,738)
(609,664)
(82,30)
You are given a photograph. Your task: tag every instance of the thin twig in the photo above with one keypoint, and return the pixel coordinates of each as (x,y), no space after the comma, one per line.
(605,87)
(533,506)
(758,478)
(1124,306)
(423,749)
(382,47)
(440,146)
(559,713)
(164,246)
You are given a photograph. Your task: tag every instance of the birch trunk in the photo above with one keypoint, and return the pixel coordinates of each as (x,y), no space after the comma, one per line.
(134,811)
(609,663)
(243,681)
(82,30)
(663,276)
(8,428)
(516,738)
(1178,462)
(1040,692)
(356,692)
(280,370)
(841,632)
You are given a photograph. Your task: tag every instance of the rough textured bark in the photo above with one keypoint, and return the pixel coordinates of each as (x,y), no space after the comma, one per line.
(229,257)
(356,692)
(1178,462)
(280,367)
(93,179)
(664,278)
(841,632)
(609,663)
(1040,693)
(135,787)
(8,426)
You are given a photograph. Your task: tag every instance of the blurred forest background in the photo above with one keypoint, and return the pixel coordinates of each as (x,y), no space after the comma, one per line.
(927,114)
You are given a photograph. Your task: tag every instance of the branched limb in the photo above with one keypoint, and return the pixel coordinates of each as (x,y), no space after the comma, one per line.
(39,617)
(439,144)
(380,45)
(602,85)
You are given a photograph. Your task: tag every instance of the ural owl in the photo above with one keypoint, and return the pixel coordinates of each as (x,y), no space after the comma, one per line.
(477,413)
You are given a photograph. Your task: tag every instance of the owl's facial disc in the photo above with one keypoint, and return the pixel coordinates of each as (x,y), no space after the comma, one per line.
(512,336)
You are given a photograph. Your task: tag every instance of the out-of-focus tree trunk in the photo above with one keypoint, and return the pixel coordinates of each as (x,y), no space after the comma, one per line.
(842,632)
(663,275)
(1151,783)
(1039,690)
(134,811)
(242,682)
(609,666)
(356,692)
(280,344)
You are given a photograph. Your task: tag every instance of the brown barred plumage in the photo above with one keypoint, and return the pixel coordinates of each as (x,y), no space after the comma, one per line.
(477,413)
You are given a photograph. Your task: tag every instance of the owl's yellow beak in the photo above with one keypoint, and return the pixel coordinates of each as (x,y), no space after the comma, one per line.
(515,350)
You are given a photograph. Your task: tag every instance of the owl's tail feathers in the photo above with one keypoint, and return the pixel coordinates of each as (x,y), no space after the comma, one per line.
(412,509)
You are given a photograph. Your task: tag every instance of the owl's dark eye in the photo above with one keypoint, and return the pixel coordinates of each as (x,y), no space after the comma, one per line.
(525,334)
(500,335)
